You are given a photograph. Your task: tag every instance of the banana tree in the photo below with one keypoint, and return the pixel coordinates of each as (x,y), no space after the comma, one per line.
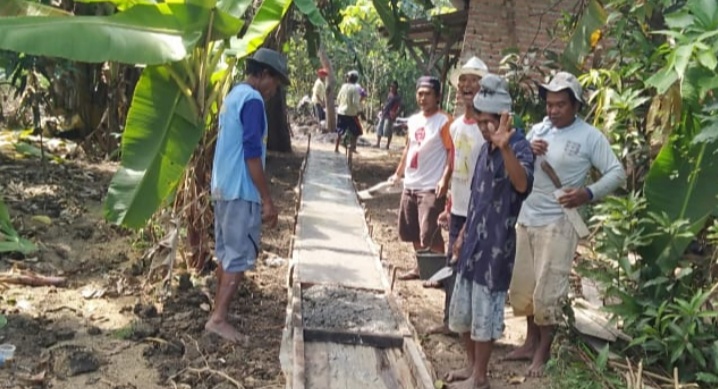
(681,184)
(182,44)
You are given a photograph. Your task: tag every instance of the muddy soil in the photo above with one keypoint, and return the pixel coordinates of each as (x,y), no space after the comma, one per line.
(104,327)
(425,306)
(333,307)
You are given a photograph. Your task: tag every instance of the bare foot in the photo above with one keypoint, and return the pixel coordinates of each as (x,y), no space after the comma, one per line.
(523,353)
(470,383)
(226,331)
(459,375)
(536,370)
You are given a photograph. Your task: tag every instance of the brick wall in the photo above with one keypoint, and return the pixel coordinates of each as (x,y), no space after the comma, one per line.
(496,25)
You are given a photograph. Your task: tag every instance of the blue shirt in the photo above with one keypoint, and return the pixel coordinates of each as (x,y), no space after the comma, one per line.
(489,249)
(242,135)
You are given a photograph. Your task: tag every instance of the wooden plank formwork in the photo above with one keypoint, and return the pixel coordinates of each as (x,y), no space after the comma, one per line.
(322,358)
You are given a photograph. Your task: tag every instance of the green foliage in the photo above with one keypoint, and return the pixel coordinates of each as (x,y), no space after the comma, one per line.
(10,240)
(672,321)
(160,137)
(520,71)
(580,45)
(358,45)
(267,18)
(568,370)
(173,104)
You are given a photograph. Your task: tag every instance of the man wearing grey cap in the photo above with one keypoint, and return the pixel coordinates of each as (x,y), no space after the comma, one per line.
(240,190)
(546,239)
(486,245)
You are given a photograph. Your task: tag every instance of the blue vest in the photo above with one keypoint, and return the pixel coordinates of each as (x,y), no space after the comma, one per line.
(230,176)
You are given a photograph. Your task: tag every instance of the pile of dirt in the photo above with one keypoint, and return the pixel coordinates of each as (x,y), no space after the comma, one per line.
(105,327)
(334,307)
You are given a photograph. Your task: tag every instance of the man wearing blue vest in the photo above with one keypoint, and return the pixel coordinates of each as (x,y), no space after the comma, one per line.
(240,190)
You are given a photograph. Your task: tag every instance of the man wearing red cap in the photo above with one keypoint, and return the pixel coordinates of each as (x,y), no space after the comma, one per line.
(319,94)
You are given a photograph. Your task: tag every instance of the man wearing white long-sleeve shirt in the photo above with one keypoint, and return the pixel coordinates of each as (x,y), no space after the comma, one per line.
(546,241)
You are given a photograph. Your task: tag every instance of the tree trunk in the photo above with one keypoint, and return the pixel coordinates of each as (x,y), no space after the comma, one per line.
(331,81)
(279,131)
(278,126)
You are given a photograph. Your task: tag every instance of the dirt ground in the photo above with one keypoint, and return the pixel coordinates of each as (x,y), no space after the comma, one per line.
(101,330)
(425,306)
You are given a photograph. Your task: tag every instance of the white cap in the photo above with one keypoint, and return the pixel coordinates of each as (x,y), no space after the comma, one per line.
(473,66)
(562,81)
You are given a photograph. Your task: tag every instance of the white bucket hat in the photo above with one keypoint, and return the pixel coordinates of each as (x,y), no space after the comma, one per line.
(473,66)
(561,81)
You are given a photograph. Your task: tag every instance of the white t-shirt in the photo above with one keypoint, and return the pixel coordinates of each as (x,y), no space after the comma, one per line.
(571,152)
(429,145)
(467,140)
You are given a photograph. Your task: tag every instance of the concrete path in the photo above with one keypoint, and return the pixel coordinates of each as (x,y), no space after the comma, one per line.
(332,243)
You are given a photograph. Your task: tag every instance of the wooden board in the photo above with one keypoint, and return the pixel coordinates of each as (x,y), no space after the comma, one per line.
(353,338)
(334,366)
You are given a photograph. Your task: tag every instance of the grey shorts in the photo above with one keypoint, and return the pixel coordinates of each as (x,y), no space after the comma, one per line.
(385,128)
(474,308)
(237,228)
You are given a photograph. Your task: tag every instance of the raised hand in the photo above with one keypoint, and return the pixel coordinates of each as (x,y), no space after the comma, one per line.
(500,136)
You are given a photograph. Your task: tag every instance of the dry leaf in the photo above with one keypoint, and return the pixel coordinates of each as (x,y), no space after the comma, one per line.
(517,380)
(36,379)
(42,219)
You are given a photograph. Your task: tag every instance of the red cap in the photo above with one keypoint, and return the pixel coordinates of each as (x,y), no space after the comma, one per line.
(323,72)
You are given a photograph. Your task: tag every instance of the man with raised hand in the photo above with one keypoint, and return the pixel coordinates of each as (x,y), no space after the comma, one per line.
(546,240)
(240,189)
(486,245)
(467,140)
(426,168)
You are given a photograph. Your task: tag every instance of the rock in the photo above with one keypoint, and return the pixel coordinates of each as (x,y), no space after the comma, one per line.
(185,283)
(72,360)
(145,311)
(92,330)
(64,334)
(142,329)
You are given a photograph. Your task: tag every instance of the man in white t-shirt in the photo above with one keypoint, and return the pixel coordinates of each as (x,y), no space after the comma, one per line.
(467,140)
(426,168)
(545,240)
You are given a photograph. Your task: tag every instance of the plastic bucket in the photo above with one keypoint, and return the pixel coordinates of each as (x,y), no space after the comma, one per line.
(429,263)
(7,352)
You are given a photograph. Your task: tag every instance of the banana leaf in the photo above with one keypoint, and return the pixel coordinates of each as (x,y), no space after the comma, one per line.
(144,34)
(25,8)
(159,139)
(310,10)
(267,18)
(682,184)
(120,4)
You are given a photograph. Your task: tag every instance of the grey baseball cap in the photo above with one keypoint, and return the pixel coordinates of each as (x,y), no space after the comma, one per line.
(562,81)
(274,60)
(494,95)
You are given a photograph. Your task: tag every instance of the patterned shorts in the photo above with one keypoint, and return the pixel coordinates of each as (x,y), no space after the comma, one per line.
(477,310)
